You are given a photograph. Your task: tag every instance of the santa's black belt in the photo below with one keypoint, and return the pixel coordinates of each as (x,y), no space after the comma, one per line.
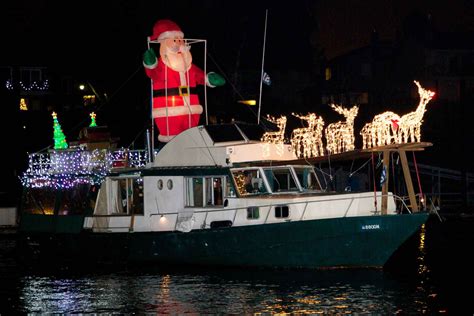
(181,91)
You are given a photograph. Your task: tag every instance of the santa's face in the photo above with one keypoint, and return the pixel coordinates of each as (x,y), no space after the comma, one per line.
(175,54)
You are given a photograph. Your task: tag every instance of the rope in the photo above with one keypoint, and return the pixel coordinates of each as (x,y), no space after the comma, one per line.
(166,100)
(187,99)
(393,175)
(417,175)
(379,160)
(231,84)
(373,177)
(323,173)
(330,170)
(363,165)
(136,137)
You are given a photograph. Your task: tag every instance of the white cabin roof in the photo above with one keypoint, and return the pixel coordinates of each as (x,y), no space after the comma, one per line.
(219,145)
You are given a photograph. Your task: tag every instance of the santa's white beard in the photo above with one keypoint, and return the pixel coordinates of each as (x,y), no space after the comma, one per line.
(180,62)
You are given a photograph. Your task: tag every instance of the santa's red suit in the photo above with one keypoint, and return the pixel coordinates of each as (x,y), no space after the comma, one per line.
(176,105)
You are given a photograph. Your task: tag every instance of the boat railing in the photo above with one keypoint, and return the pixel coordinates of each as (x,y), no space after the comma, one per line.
(421,201)
(375,211)
(65,168)
(85,161)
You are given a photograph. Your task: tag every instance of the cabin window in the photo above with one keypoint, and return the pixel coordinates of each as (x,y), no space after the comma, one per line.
(249,182)
(169,184)
(126,196)
(229,188)
(194,192)
(205,191)
(281,179)
(253,212)
(308,179)
(282,211)
(159,184)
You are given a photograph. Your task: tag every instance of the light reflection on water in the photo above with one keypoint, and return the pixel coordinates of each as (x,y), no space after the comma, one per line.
(222,291)
(428,277)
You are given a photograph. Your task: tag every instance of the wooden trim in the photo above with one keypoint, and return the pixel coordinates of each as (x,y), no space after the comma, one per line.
(408,181)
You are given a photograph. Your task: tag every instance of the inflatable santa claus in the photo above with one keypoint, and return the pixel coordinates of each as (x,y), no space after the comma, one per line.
(176,104)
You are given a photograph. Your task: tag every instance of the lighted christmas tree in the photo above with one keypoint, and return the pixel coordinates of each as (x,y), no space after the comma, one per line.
(93,123)
(59,137)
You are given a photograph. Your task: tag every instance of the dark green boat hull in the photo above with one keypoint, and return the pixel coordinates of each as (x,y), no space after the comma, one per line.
(342,242)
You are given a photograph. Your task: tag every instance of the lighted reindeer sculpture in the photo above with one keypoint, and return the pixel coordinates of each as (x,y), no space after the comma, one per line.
(340,135)
(381,131)
(307,141)
(276,137)
(388,127)
(410,123)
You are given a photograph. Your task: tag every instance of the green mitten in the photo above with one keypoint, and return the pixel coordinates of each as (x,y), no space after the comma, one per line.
(149,57)
(215,80)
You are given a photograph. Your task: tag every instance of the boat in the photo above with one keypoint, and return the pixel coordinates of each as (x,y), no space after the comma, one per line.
(214,195)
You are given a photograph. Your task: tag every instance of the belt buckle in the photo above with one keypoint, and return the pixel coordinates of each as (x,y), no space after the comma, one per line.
(183,91)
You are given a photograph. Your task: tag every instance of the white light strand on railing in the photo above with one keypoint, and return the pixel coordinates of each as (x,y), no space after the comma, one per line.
(67,168)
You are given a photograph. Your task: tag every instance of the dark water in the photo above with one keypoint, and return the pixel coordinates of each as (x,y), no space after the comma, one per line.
(430,274)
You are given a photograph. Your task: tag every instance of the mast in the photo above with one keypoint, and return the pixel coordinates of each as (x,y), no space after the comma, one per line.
(151,134)
(205,72)
(261,74)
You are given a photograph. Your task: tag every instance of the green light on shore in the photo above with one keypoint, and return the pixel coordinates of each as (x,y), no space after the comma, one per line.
(93,122)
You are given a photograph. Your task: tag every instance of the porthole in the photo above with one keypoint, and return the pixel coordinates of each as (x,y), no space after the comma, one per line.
(159,184)
(169,184)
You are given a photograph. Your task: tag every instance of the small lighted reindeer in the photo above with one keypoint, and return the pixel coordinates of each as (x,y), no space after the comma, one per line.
(381,131)
(340,135)
(410,123)
(307,141)
(276,137)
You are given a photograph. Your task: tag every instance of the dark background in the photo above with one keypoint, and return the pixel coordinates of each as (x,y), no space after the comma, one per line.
(103,43)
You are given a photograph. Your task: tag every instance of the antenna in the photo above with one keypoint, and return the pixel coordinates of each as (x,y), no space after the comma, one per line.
(152,136)
(261,74)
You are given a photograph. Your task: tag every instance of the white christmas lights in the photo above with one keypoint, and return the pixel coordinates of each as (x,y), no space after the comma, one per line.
(65,169)
(381,131)
(307,141)
(340,135)
(35,86)
(9,85)
(388,127)
(277,137)
(410,123)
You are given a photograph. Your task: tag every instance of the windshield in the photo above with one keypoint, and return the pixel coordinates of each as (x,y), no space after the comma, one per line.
(281,179)
(307,178)
(249,182)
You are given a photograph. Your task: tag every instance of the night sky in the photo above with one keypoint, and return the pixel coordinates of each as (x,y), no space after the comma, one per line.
(88,35)
(103,42)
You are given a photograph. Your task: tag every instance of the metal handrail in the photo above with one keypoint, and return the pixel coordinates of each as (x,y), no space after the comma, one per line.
(236,209)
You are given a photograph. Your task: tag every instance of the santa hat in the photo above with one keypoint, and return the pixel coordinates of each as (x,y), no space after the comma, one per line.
(164,29)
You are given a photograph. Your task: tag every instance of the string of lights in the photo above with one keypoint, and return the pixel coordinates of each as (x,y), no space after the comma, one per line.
(63,169)
(33,86)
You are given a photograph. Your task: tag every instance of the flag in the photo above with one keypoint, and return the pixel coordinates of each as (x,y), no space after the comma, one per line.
(266,79)
(383,176)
